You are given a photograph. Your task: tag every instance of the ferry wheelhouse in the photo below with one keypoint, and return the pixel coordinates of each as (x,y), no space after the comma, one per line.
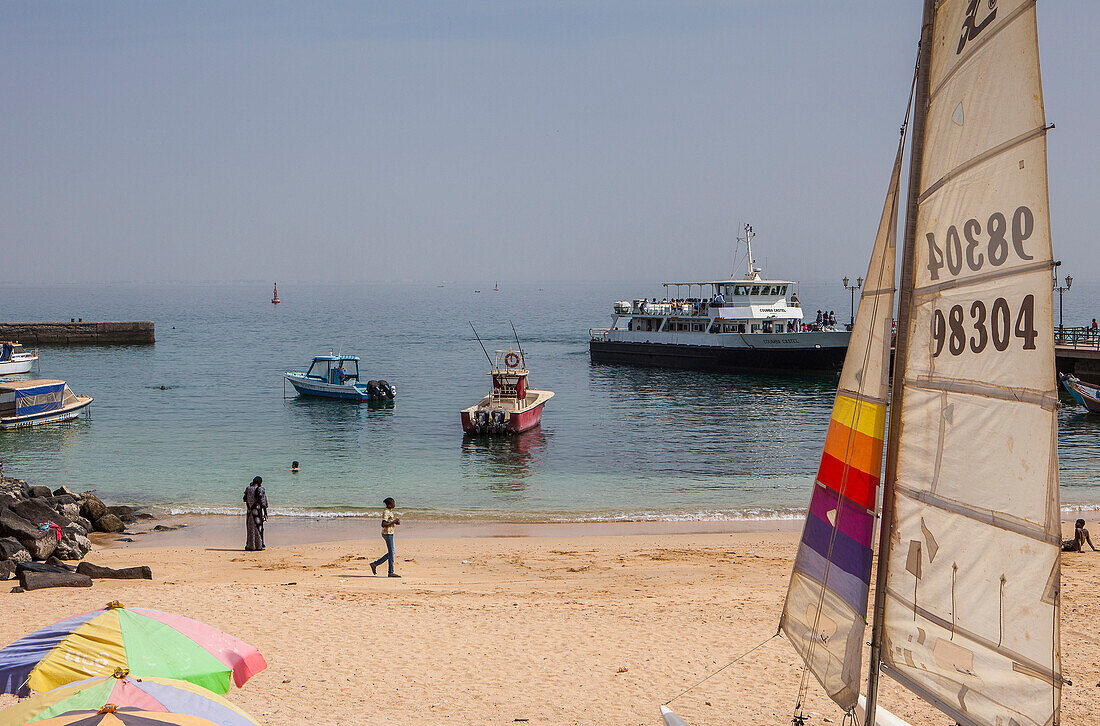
(750,324)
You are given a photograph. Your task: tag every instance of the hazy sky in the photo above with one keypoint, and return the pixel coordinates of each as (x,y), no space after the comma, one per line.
(474,140)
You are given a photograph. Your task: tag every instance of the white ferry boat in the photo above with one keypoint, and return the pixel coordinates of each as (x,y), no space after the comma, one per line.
(730,326)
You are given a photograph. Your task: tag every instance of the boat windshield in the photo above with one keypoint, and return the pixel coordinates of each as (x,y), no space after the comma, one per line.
(350,368)
(320,369)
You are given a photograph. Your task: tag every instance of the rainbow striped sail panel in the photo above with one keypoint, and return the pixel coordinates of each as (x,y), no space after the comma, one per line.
(825,613)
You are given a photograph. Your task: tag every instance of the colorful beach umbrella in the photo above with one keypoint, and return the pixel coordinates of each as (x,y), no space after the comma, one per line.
(164,695)
(112,715)
(145,642)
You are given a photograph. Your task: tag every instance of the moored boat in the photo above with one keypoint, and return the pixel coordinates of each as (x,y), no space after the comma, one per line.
(1085,394)
(337,376)
(29,403)
(510,406)
(14,360)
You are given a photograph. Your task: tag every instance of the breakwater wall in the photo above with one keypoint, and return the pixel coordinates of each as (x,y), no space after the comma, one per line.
(139,332)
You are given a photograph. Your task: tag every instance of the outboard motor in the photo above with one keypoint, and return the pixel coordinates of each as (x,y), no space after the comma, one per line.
(386,391)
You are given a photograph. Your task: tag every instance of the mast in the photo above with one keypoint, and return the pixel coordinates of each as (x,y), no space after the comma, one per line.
(901,349)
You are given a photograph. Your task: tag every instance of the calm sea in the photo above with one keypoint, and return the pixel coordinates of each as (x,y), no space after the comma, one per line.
(615,443)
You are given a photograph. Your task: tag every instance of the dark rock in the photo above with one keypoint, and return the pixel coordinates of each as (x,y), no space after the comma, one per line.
(6,499)
(91,506)
(65,492)
(68,511)
(40,548)
(55,562)
(10,549)
(7,569)
(22,567)
(143,515)
(17,589)
(38,512)
(40,580)
(72,529)
(109,523)
(126,573)
(121,510)
(83,524)
(61,499)
(38,491)
(165,528)
(12,525)
(125,539)
(73,547)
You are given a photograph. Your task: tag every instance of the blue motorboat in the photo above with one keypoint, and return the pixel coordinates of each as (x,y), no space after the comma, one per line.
(337,376)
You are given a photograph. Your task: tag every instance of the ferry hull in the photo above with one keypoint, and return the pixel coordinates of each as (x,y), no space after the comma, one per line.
(720,359)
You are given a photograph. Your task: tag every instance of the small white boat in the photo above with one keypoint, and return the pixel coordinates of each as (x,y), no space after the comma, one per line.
(29,403)
(337,376)
(14,360)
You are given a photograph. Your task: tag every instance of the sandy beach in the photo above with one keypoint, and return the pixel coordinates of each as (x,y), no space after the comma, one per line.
(529,626)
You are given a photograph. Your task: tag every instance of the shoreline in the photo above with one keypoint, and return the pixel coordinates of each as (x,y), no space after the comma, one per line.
(226,530)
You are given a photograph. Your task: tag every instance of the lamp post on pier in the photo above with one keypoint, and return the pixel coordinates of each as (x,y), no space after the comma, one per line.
(852,289)
(1061,289)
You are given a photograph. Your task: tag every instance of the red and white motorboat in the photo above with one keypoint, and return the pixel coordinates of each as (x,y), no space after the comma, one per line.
(511,407)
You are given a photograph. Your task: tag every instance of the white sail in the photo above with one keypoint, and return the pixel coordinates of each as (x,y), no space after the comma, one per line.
(972,584)
(825,613)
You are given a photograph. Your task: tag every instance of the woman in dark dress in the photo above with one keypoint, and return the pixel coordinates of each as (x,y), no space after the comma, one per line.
(255,499)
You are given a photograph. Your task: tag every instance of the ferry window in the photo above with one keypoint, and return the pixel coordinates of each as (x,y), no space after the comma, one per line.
(783,290)
(755,290)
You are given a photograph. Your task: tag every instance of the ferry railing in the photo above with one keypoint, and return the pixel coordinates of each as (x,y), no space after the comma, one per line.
(598,334)
(1077,338)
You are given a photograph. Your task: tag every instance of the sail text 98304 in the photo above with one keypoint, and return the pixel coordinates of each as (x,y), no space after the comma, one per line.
(972,578)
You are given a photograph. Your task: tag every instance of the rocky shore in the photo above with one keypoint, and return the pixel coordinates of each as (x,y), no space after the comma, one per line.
(40,525)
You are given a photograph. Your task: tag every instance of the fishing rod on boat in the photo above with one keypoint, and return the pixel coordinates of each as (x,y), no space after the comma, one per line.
(522,357)
(491,366)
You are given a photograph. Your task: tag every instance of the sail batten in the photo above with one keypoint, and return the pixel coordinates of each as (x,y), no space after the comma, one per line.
(976,45)
(980,158)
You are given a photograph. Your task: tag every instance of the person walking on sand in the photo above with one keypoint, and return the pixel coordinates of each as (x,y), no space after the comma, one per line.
(389,524)
(255,499)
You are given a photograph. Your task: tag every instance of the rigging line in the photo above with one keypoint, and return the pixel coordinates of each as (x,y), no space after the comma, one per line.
(866,353)
(856,412)
(756,647)
(895,191)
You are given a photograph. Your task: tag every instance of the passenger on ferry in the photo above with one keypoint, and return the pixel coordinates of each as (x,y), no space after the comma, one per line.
(819,317)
